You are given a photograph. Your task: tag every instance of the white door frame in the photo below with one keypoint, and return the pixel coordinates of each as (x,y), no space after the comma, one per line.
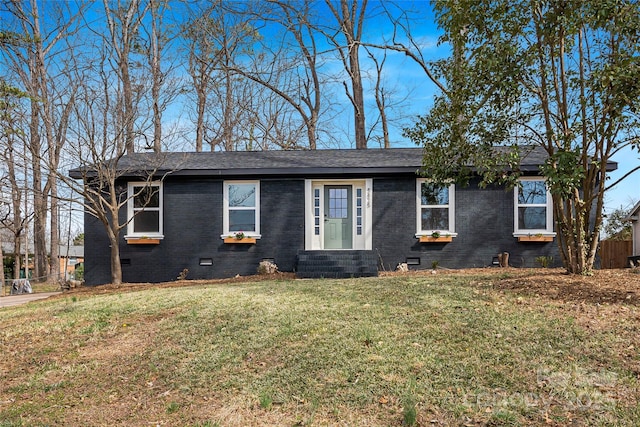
(362,202)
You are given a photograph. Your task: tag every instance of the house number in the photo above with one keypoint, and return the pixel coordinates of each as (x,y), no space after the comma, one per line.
(368,197)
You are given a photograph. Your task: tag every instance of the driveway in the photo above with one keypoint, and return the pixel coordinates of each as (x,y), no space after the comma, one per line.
(24,298)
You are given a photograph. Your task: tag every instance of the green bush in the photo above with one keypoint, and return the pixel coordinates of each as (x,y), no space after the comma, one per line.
(78,273)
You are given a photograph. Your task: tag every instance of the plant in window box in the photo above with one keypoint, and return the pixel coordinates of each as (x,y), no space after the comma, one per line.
(436,237)
(538,237)
(239,237)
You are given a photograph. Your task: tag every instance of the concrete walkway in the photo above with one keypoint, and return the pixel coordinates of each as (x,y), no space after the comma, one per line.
(10,300)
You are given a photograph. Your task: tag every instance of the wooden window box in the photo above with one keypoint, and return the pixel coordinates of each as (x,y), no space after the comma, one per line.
(143,241)
(244,240)
(535,238)
(431,239)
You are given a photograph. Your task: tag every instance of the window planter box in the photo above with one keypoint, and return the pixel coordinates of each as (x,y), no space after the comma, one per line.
(143,241)
(535,238)
(431,239)
(244,240)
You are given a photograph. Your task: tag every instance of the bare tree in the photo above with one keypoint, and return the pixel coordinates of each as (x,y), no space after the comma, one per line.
(213,40)
(157,34)
(402,40)
(381,99)
(123,23)
(350,16)
(201,65)
(203,57)
(156,73)
(96,150)
(42,50)
(288,68)
(12,216)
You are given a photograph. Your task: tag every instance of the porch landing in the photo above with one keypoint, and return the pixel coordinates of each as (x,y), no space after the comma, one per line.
(341,264)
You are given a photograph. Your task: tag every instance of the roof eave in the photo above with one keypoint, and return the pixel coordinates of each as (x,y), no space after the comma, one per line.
(294,172)
(634,214)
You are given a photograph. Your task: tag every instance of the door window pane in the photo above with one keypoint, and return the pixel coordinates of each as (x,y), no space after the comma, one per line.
(338,203)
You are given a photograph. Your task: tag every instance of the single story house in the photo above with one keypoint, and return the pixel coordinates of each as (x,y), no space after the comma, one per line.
(634,218)
(321,213)
(69,258)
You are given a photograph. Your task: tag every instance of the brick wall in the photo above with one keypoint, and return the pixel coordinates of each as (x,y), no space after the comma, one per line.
(193,225)
(484,223)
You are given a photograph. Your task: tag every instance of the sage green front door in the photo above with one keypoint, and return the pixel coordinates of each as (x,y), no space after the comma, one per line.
(338,217)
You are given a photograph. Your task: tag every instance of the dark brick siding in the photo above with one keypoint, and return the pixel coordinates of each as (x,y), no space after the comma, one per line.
(484,223)
(97,252)
(193,225)
(192,228)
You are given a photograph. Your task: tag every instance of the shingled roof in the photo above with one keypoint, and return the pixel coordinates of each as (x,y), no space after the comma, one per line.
(287,163)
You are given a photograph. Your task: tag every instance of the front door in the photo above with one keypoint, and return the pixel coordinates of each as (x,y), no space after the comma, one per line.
(338,217)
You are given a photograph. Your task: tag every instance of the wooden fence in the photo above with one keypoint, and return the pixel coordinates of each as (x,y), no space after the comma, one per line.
(614,253)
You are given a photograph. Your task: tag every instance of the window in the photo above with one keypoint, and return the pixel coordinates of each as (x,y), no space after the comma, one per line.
(533,207)
(316,211)
(359,211)
(144,208)
(435,208)
(338,203)
(242,208)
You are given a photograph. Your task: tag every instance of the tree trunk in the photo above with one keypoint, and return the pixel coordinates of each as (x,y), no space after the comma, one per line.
(39,199)
(16,223)
(352,29)
(116,267)
(127,93)
(358,98)
(54,232)
(2,267)
(156,76)
(227,131)
(311,133)
(113,232)
(201,106)
(17,249)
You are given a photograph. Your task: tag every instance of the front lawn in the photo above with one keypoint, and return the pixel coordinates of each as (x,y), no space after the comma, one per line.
(445,349)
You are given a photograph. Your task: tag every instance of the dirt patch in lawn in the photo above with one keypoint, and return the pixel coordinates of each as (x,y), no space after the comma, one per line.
(135,287)
(603,287)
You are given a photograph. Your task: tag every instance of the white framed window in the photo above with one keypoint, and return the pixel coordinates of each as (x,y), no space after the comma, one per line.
(241,208)
(533,208)
(435,208)
(144,209)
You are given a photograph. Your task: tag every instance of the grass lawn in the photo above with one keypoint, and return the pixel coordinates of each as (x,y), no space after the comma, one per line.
(441,349)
